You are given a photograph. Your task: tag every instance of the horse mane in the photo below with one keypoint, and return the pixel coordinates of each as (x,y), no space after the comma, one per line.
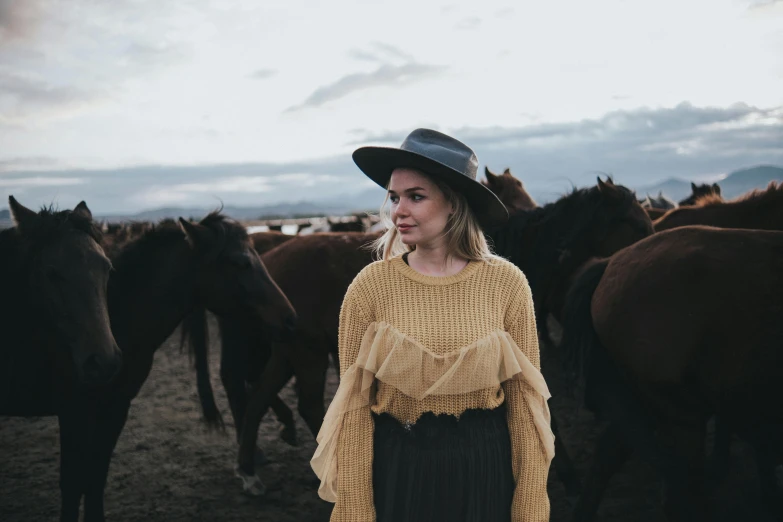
(52,222)
(577,217)
(773,193)
(167,231)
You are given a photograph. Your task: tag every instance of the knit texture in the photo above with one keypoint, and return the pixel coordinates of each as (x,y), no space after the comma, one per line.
(442,314)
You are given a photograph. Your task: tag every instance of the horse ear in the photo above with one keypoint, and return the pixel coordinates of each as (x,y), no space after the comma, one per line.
(693,186)
(489,175)
(507,172)
(22,215)
(196,234)
(601,185)
(82,210)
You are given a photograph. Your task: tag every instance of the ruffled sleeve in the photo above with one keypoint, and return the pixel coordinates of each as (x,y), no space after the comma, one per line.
(532,442)
(351,447)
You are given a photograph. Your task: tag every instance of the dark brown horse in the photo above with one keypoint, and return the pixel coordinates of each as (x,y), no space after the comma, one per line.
(657,367)
(159,278)
(509,190)
(699,191)
(57,341)
(548,243)
(54,317)
(241,364)
(758,209)
(266,241)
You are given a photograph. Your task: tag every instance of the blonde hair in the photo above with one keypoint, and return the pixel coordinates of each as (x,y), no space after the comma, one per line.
(464,237)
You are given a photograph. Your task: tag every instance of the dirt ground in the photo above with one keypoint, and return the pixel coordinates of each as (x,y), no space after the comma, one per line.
(168,468)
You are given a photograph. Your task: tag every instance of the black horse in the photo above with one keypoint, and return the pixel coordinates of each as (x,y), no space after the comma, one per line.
(57,342)
(158,279)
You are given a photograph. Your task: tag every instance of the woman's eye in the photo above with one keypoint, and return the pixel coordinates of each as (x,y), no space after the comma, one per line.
(393,199)
(417,197)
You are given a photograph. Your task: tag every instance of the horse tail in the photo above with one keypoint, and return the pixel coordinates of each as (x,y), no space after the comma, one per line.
(582,350)
(196,333)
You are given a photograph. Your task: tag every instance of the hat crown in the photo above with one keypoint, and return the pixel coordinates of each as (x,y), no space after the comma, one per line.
(443,149)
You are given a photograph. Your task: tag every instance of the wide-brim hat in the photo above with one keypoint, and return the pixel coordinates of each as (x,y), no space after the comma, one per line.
(441,157)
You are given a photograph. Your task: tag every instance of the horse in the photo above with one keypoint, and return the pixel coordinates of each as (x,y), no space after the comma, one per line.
(241,361)
(758,209)
(57,342)
(158,279)
(657,367)
(56,335)
(660,202)
(548,244)
(266,241)
(509,190)
(699,191)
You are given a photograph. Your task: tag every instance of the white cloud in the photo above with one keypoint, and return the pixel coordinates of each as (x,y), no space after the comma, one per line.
(40,181)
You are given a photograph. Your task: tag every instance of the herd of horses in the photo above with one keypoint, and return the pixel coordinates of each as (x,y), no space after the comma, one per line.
(670,317)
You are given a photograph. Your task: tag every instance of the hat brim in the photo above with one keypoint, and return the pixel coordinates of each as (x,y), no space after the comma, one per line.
(377,163)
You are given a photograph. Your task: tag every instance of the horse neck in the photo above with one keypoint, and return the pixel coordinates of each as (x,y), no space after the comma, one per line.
(148,300)
(526,245)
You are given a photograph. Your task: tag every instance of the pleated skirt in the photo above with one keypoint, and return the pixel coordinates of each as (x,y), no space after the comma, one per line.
(443,469)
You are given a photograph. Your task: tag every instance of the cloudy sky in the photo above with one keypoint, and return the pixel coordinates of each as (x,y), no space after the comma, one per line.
(139,104)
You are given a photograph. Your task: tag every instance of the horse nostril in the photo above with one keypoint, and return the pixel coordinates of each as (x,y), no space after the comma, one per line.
(91,369)
(101,370)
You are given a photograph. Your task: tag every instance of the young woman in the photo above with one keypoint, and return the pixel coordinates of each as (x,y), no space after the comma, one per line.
(441,411)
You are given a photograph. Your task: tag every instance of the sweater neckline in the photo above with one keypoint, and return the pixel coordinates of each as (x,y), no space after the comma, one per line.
(403,268)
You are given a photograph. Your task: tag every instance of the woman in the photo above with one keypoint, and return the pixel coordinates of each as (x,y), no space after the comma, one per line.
(441,411)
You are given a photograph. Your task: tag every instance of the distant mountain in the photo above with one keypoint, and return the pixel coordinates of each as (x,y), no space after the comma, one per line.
(735,184)
(5,214)
(741,181)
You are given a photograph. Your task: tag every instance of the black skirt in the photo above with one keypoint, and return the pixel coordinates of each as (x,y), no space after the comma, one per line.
(443,469)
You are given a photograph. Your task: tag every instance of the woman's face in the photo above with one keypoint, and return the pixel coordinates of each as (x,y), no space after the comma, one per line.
(419,209)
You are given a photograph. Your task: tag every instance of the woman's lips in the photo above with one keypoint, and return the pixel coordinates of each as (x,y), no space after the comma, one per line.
(403,228)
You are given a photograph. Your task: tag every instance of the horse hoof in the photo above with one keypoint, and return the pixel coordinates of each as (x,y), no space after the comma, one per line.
(251,484)
(288,434)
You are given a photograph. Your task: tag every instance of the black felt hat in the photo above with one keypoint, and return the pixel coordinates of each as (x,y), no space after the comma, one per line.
(440,156)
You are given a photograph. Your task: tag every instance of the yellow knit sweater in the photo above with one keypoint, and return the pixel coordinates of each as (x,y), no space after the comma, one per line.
(438,320)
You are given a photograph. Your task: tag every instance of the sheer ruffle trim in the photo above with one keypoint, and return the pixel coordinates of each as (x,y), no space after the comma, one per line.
(390,356)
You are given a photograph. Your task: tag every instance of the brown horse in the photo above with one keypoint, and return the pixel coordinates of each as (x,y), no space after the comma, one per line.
(657,367)
(57,342)
(159,278)
(266,241)
(509,190)
(548,243)
(758,209)
(699,191)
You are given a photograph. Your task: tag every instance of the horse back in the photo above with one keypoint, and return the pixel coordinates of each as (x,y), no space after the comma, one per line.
(696,306)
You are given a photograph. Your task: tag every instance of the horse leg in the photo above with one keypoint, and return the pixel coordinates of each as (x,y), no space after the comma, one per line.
(286,417)
(311,376)
(611,453)
(771,496)
(721,450)
(275,375)
(563,464)
(234,363)
(684,498)
(109,426)
(74,444)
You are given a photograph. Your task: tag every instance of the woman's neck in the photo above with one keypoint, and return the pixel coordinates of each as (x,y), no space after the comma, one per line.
(435,261)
